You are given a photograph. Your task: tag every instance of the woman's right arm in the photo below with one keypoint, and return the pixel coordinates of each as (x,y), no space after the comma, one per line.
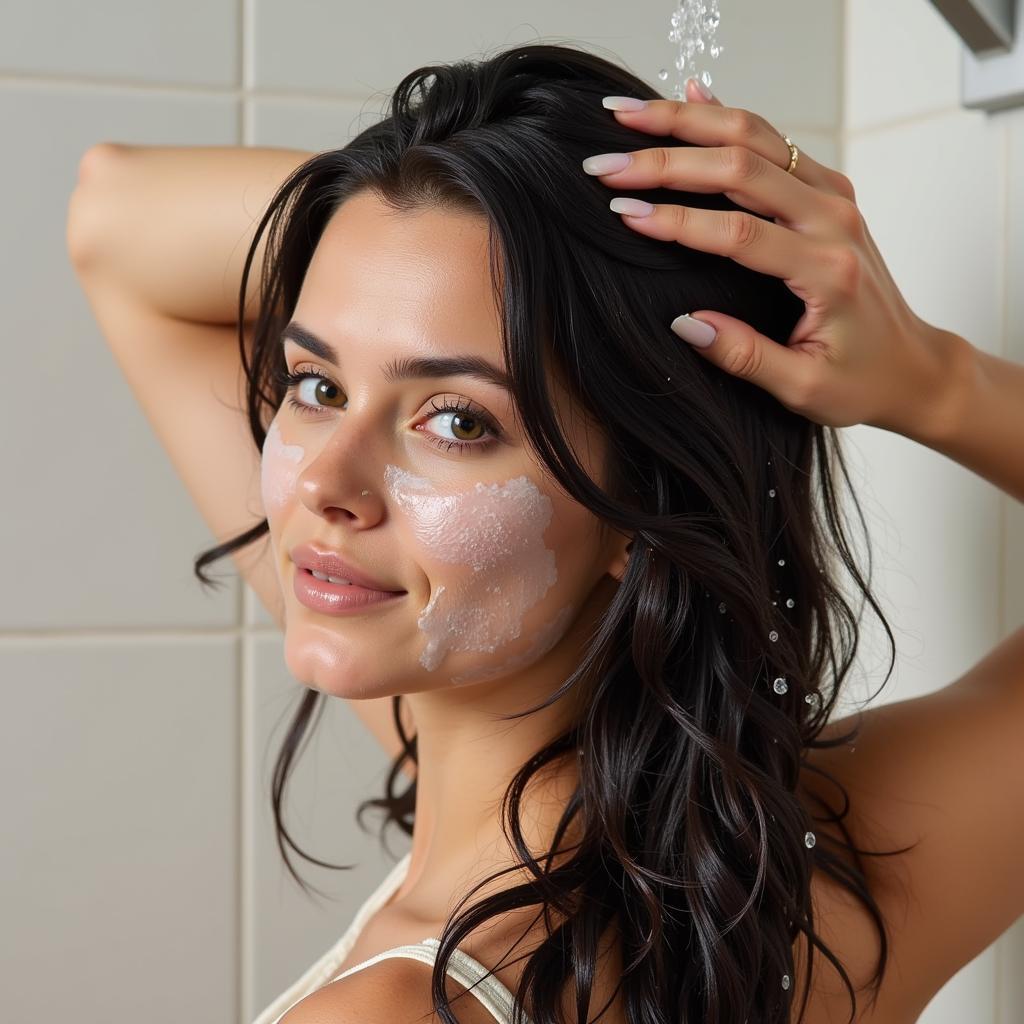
(157,236)
(172,224)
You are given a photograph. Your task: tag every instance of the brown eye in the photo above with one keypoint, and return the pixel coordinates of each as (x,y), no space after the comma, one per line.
(461,425)
(324,392)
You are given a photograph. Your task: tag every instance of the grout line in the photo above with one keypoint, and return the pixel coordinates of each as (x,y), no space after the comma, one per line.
(844,35)
(910,121)
(246,874)
(121,634)
(1002,526)
(171,89)
(245,947)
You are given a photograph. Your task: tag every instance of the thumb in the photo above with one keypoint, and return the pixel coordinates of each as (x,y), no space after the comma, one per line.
(742,352)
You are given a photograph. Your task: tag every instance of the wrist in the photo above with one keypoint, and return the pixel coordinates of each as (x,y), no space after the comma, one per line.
(945,390)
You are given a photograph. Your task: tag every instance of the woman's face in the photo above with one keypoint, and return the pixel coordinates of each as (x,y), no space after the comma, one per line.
(495,561)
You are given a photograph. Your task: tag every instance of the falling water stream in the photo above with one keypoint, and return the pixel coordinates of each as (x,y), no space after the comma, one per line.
(694,25)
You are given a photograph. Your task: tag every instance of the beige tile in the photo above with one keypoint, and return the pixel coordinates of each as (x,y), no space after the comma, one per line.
(902,59)
(781,58)
(193,42)
(118,870)
(93,501)
(342,765)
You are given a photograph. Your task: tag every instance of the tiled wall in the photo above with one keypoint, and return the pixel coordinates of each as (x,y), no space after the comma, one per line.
(139,878)
(942,190)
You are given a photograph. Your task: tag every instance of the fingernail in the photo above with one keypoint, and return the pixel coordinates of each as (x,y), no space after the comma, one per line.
(631,207)
(623,103)
(696,332)
(607,163)
(703,89)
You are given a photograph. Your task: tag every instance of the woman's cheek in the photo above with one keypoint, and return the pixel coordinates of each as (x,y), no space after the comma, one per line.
(487,544)
(279,471)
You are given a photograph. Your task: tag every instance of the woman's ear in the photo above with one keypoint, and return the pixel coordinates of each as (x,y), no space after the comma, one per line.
(618,567)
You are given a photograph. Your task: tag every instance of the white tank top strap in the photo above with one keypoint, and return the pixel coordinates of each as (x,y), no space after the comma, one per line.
(462,967)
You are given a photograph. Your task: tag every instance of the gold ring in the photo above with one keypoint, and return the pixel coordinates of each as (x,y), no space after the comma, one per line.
(794,154)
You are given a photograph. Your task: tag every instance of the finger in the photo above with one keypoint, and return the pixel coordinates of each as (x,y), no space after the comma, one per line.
(743,352)
(744,177)
(751,241)
(711,124)
(697,92)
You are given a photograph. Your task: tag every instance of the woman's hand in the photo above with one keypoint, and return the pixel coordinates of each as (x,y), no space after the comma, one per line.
(858,354)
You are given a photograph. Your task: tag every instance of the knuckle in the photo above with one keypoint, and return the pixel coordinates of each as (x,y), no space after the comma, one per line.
(681,218)
(848,216)
(842,184)
(743,164)
(846,270)
(743,230)
(742,124)
(662,160)
(744,359)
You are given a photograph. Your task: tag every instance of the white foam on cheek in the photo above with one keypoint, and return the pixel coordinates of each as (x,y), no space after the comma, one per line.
(279,469)
(497,531)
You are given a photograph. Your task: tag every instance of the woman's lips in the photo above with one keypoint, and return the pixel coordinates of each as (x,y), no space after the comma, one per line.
(337,598)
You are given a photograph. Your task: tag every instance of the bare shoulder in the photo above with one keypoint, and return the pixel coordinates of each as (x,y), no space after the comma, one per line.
(392,991)
(944,775)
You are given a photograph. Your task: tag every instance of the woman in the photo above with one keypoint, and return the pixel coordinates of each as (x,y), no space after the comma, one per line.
(600,564)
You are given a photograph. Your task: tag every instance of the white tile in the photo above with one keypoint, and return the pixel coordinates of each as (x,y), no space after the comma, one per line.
(824,148)
(193,42)
(781,59)
(342,765)
(118,869)
(936,550)
(902,59)
(92,500)
(316,125)
(933,206)
(1010,987)
(931,193)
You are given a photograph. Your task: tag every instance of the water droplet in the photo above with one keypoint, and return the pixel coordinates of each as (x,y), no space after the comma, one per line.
(771,493)
(780,685)
(663,74)
(782,561)
(790,603)
(785,981)
(721,607)
(705,76)
(810,839)
(773,636)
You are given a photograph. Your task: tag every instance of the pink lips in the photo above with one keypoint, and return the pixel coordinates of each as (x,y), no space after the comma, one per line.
(328,563)
(363,592)
(337,598)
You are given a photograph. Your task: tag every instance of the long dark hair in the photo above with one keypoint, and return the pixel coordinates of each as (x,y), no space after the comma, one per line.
(719,660)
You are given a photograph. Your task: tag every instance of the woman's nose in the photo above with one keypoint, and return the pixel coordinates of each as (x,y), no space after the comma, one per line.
(341,476)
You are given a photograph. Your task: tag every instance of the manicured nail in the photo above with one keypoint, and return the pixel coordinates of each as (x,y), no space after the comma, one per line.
(703,89)
(631,207)
(696,332)
(623,103)
(607,163)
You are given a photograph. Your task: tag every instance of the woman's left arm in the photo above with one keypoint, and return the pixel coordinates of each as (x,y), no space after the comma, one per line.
(859,354)
(982,427)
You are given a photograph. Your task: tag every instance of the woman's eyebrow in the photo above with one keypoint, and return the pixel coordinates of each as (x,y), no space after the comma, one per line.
(408,367)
